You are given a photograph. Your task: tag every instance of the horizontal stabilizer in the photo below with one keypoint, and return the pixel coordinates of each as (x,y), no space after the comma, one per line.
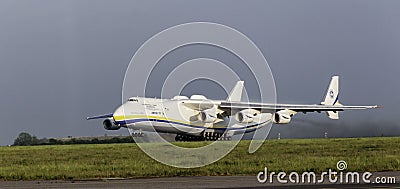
(332,114)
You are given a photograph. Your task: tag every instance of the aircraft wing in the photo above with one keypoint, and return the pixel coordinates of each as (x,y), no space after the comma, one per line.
(228,106)
(232,104)
(100,116)
(200,105)
(272,108)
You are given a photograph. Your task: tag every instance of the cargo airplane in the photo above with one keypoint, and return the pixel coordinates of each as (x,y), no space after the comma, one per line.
(198,118)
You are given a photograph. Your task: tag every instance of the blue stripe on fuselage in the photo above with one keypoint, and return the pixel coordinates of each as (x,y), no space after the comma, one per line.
(124,122)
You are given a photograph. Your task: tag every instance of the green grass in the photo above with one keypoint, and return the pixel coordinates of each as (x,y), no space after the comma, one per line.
(127,160)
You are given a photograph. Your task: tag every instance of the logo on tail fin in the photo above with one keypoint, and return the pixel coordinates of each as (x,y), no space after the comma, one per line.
(331,93)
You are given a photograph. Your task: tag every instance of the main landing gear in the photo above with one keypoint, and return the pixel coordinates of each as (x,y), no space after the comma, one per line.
(207,136)
(137,133)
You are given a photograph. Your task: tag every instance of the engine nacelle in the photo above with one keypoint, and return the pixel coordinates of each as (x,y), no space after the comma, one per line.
(282,117)
(246,116)
(208,116)
(110,125)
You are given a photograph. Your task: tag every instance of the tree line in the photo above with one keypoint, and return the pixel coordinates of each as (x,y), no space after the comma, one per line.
(26,139)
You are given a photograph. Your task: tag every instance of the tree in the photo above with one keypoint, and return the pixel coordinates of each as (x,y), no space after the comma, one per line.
(25,139)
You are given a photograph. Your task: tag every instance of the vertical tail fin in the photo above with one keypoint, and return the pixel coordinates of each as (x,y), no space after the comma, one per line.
(236,93)
(332,97)
(332,94)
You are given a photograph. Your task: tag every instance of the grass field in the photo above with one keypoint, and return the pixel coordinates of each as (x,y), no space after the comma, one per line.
(127,160)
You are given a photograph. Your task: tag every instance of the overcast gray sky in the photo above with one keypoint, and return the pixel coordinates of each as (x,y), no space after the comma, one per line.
(61,61)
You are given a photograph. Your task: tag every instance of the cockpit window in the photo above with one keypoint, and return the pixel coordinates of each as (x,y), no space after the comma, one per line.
(133,100)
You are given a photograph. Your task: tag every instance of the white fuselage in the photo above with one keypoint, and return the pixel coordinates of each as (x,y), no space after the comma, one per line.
(171,116)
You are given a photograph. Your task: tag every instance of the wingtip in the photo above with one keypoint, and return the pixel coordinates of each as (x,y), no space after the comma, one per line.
(377,106)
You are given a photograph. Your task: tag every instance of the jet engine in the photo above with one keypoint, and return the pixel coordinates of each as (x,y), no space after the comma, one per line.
(282,117)
(110,125)
(208,116)
(246,116)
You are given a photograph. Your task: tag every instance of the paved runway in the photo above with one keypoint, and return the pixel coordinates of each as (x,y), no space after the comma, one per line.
(188,182)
